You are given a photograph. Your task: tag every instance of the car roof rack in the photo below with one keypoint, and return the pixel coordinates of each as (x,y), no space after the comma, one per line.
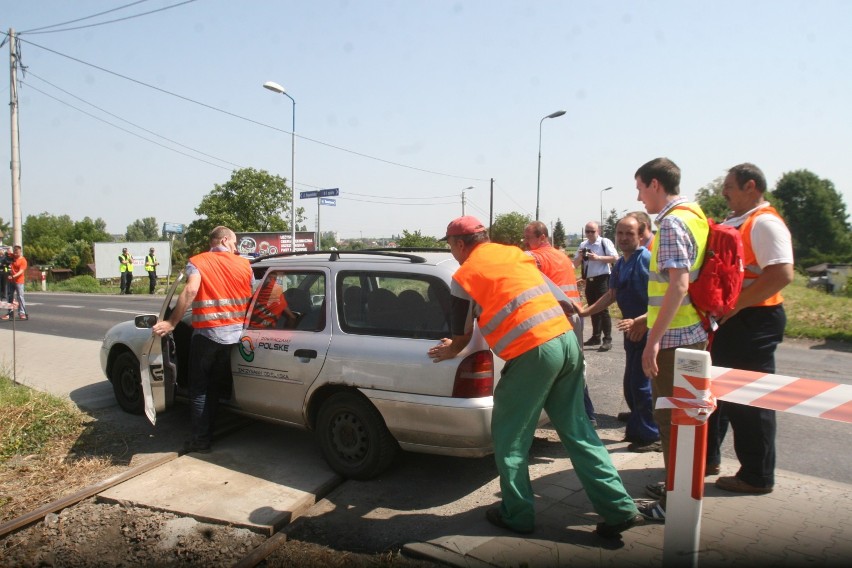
(334,255)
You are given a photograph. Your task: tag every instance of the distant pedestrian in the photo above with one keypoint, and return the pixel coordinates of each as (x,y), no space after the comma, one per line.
(596,254)
(17,279)
(218,288)
(125,269)
(524,324)
(151,264)
(747,337)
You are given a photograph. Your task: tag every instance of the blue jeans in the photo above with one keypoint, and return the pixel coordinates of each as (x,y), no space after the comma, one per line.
(16,291)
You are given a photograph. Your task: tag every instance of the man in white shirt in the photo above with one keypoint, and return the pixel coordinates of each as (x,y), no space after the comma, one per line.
(596,254)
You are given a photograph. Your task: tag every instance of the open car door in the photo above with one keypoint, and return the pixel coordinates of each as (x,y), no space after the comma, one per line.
(158,362)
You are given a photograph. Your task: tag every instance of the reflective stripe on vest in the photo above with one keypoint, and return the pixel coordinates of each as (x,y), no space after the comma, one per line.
(225,290)
(658,283)
(752,269)
(518,311)
(556,265)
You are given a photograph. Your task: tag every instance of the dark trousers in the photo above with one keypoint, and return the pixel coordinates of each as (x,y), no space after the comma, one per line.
(641,426)
(152,281)
(126,279)
(209,367)
(596,287)
(747,341)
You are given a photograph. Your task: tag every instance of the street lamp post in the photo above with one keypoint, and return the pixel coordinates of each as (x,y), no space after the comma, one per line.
(538,182)
(602,215)
(276,88)
(465,189)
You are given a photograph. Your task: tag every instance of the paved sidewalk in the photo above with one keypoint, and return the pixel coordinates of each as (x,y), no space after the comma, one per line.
(806,521)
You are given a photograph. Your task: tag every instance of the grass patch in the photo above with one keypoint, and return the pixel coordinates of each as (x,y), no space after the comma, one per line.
(80,284)
(814,314)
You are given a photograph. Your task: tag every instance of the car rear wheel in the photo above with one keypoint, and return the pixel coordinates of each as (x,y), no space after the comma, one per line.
(353,437)
(127,383)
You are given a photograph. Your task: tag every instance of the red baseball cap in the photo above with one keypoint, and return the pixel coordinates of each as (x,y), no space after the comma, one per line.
(467,225)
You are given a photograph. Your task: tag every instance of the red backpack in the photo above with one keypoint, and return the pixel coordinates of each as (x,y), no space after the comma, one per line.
(716,290)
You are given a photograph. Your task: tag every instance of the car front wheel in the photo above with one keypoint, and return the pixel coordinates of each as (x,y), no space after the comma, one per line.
(127,383)
(353,437)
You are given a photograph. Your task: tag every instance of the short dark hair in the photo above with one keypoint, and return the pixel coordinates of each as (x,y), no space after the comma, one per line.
(747,172)
(474,239)
(664,171)
(538,228)
(642,218)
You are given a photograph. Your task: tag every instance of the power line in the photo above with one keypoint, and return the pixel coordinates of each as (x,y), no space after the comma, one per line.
(44,29)
(252,121)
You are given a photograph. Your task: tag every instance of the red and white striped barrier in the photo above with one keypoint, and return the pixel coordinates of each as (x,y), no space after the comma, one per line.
(697,385)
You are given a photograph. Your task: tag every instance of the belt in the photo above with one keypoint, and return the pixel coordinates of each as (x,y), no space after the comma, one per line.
(598,276)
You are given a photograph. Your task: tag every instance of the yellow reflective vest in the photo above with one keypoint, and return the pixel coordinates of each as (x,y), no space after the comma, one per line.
(658,282)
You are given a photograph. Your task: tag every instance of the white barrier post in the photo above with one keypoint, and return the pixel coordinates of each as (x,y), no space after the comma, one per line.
(691,405)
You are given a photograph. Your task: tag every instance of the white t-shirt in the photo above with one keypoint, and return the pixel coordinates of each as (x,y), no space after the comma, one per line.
(770,237)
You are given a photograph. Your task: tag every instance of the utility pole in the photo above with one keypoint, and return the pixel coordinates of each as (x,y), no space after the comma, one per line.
(15,164)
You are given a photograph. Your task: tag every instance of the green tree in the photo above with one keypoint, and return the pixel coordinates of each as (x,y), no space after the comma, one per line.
(5,231)
(711,200)
(143,230)
(91,231)
(608,229)
(45,236)
(252,200)
(76,255)
(327,241)
(559,239)
(817,218)
(416,240)
(508,228)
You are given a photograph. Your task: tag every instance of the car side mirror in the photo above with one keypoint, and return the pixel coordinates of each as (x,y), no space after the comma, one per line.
(145,322)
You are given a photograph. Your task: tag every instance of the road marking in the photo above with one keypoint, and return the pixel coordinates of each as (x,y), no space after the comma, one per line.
(69,306)
(118,311)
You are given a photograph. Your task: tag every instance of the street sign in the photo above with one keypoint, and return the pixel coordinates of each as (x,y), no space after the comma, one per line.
(308,194)
(333,192)
(176,228)
(328,201)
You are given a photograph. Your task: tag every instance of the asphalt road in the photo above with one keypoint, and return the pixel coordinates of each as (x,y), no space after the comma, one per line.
(805,445)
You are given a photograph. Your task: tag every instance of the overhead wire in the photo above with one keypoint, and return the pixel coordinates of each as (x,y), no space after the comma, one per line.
(44,30)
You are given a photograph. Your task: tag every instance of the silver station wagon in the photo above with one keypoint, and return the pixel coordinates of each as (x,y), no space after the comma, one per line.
(351,365)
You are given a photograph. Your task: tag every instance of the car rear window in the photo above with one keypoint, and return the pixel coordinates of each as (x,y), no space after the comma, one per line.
(393,304)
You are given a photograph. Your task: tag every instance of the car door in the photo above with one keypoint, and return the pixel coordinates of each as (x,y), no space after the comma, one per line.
(284,345)
(158,361)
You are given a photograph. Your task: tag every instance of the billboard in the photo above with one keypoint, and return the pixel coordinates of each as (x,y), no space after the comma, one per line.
(106,257)
(259,244)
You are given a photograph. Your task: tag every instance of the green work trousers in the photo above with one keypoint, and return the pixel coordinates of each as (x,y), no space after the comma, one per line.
(550,376)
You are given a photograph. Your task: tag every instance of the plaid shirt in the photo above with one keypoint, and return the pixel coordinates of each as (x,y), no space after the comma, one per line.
(677,249)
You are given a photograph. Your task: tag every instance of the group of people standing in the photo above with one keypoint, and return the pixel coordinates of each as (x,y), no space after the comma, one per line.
(125,270)
(523,318)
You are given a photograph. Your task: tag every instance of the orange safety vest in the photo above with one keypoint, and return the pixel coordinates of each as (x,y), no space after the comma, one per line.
(519,312)
(269,305)
(556,266)
(752,268)
(225,291)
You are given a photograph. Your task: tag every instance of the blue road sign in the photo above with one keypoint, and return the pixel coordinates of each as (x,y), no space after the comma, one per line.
(333,192)
(308,194)
(328,201)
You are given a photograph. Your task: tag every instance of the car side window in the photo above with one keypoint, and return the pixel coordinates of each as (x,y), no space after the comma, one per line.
(393,304)
(289,300)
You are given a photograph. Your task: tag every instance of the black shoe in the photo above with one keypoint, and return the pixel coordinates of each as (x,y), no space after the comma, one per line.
(645,447)
(614,531)
(607,345)
(592,341)
(194,446)
(495,518)
(623,416)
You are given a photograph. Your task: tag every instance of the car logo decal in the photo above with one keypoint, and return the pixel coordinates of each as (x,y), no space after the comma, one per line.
(246,349)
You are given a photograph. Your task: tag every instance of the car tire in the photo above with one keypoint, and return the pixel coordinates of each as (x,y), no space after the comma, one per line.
(353,437)
(127,383)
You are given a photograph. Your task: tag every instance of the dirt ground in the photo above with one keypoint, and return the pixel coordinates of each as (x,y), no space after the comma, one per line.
(93,534)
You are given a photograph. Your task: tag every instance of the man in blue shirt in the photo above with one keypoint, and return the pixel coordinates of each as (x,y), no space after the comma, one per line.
(628,286)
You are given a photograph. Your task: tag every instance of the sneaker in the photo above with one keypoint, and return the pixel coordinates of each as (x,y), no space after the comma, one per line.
(606,346)
(736,485)
(653,512)
(496,518)
(23,317)
(614,531)
(623,416)
(5,318)
(645,447)
(656,490)
(592,341)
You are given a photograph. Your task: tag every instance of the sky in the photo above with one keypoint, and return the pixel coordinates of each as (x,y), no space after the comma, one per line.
(404,104)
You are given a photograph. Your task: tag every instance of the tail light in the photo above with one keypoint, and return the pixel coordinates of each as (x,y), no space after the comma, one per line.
(475,376)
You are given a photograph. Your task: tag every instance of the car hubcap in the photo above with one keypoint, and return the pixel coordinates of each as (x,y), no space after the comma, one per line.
(349,437)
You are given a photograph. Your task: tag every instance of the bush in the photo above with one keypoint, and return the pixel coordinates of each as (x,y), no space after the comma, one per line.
(85,284)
